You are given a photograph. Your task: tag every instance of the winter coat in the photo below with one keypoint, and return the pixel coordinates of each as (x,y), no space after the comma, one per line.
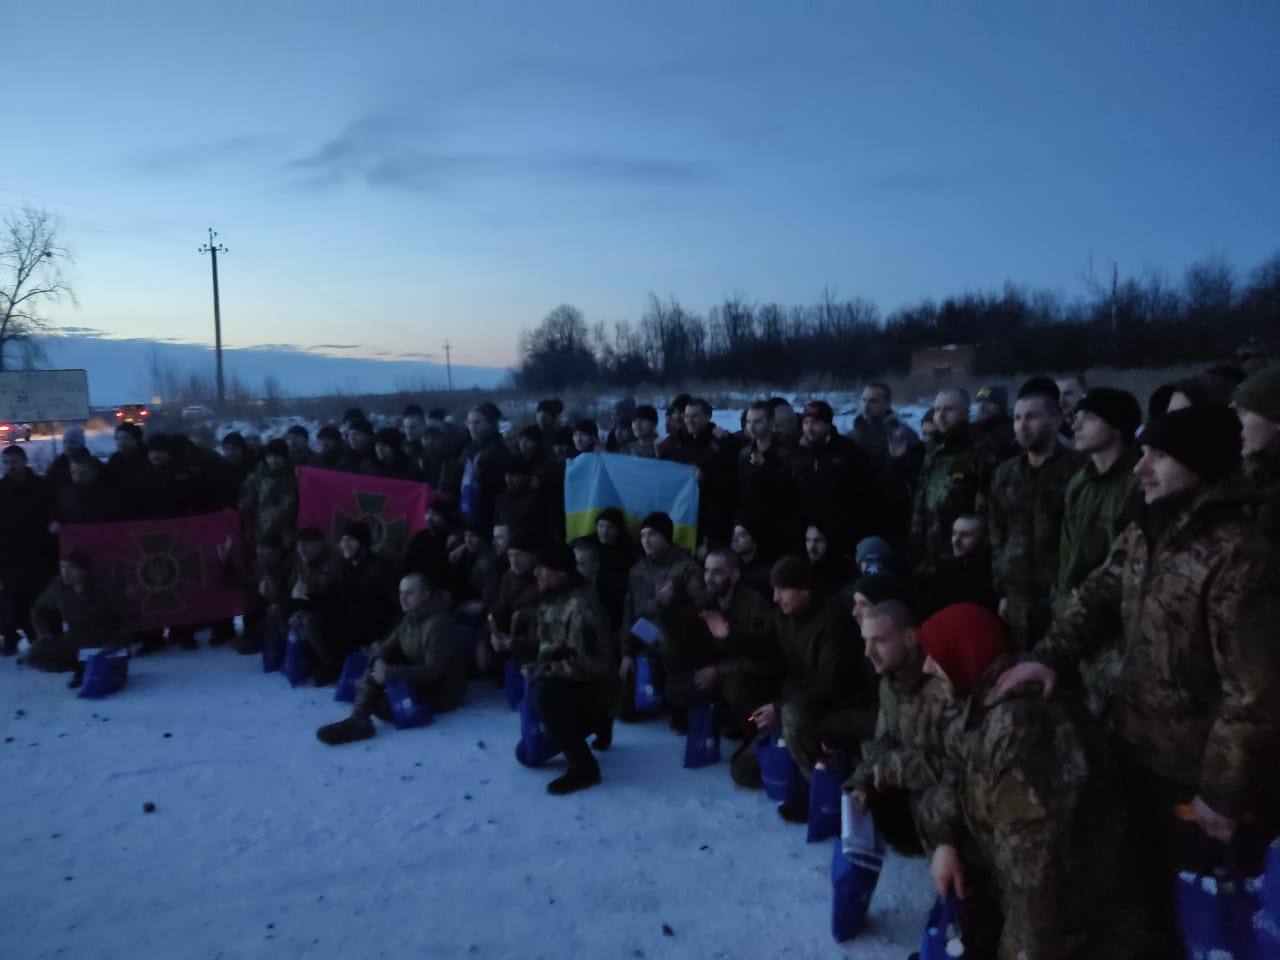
(1191,592)
(1031,794)
(635,447)
(715,459)
(28,552)
(572,636)
(1097,509)
(766,497)
(426,649)
(269,502)
(836,488)
(824,664)
(1261,475)
(672,564)
(515,593)
(996,439)
(1024,524)
(750,648)
(483,478)
(953,482)
(957,580)
(428,554)
(134,477)
(95,618)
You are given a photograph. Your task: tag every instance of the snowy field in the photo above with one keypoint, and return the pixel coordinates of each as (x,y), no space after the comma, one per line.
(428,843)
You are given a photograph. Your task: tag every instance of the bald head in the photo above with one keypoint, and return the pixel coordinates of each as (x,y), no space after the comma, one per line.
(951,409)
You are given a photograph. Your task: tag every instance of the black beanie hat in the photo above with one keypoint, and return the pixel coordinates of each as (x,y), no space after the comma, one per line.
(276,448)
(792,573)
(389,437)
(558,555)
(646,411)
(661,523)
(525,540)
(1119,408)
(234,439)
(359,530)
(329,432)
(878,587)
(1204,439)
(132,429)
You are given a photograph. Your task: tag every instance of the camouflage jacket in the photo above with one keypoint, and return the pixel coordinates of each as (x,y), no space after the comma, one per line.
(953,482)
(1029,794)
(269,501)
(825,666)
(426,648)
(1024,522)
(572,633)
(1262,476)
(907,747)
(750,647)
(673,564)
(1191,593)
(1098,508)
(515,593)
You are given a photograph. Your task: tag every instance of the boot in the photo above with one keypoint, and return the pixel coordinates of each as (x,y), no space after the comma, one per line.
(355,727)
(794,811)
(604,734)
(77,678)
(578,778)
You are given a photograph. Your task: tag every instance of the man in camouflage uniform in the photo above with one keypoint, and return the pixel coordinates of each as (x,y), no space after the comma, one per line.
(665,576)
(725,653)
(76,611)
(901,761)
(1191,592)
(1257,403)
(953,479)
(1026,820)
(424,649)
(829,694)
(269,496)
(512,613)
(993,431)
(1024,512)
(571,680)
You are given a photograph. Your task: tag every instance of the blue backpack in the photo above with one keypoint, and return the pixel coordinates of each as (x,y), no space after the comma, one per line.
(105,673)
(408,709)
(353,668)
(702,742)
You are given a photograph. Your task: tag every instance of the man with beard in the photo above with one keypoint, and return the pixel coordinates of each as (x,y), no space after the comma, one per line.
(1024,513)
(484,466)
(644,434)
(953,478)
(1257,404)
(834,485)
(766,485)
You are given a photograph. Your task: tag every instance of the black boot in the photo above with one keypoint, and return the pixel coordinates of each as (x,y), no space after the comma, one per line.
(604,735)
(355,727)
(794,810)
(77,678)
(578,778)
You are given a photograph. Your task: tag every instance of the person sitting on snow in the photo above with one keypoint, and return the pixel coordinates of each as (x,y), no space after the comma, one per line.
(425,650)
(76,611)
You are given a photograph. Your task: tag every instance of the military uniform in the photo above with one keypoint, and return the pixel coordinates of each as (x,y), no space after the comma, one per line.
(269,502)
(673,564)
(94,618)
(953,482)
(1024,522)
(424,649)
(1262,476)
(1098,507)
(1030,796)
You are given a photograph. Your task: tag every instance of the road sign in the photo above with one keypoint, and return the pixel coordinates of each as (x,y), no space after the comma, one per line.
(30,395)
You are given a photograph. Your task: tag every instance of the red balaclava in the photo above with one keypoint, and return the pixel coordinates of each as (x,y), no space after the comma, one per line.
(964,639)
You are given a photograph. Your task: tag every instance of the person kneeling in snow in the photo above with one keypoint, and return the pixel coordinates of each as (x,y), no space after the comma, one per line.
(571,681)
(424,650)
(76,611)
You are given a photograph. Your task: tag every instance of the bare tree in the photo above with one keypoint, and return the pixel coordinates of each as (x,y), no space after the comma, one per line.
(31,279)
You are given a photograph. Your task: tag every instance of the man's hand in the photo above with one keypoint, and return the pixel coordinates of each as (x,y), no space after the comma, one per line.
(706,678)
(223,549)
(765,717)
(299,591)
(265,589)
(457,553)
(1214,824)
(716,623)
(859,799)
(897,444)
(54,527)
(499,641)
(947,875)
(1029,672)
(626,668)
(664,592)
(379,672)
(875,776)
(1003,610)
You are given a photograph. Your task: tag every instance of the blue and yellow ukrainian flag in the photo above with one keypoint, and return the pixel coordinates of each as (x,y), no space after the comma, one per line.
(637,486)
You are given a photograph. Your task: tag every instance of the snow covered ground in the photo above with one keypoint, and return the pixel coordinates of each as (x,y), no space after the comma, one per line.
(429,843)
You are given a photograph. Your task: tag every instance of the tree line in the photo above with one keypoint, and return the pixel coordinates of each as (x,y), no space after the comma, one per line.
(1137,321)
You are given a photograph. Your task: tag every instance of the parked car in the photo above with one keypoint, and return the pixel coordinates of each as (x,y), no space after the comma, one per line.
(14,432)
(132,413)
(197,411)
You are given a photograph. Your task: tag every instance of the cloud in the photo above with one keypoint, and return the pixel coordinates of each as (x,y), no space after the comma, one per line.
(183,158)
(334,346)
(79,332)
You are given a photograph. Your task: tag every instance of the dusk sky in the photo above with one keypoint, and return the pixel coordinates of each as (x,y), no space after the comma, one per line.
(390,175)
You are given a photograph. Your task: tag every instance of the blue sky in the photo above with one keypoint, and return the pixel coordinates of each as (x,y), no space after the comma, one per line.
(389,175)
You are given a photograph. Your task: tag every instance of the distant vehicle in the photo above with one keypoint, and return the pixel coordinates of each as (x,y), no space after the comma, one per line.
(197,411)
(14,432)
(132,413)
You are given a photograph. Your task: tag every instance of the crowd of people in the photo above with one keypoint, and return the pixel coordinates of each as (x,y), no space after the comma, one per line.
(1040,643)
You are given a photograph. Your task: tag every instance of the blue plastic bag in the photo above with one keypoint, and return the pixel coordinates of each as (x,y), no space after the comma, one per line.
(943,939)
(702,742)
(299,658)
(408,709)
(105,673)
(648,686)
(274,641)
(1215,914)
(824,801)
(856,860)
(512,682)
(781,776)
(536,746)
(353,668)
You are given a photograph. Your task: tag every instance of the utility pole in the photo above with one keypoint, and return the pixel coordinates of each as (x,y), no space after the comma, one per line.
(213,249)
(448,364)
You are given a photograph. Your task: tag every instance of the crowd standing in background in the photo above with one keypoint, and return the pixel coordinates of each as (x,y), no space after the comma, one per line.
(1040,642)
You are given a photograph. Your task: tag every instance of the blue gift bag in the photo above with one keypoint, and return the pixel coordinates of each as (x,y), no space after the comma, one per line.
(702,742)
(857,857)
(353,669)
(942,938)
(408,709)
(512,682)
(1215,914)
(274,641)
(536,746)
(299,658)
(105,673)
(781,776)
(824,802)
(648,686)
